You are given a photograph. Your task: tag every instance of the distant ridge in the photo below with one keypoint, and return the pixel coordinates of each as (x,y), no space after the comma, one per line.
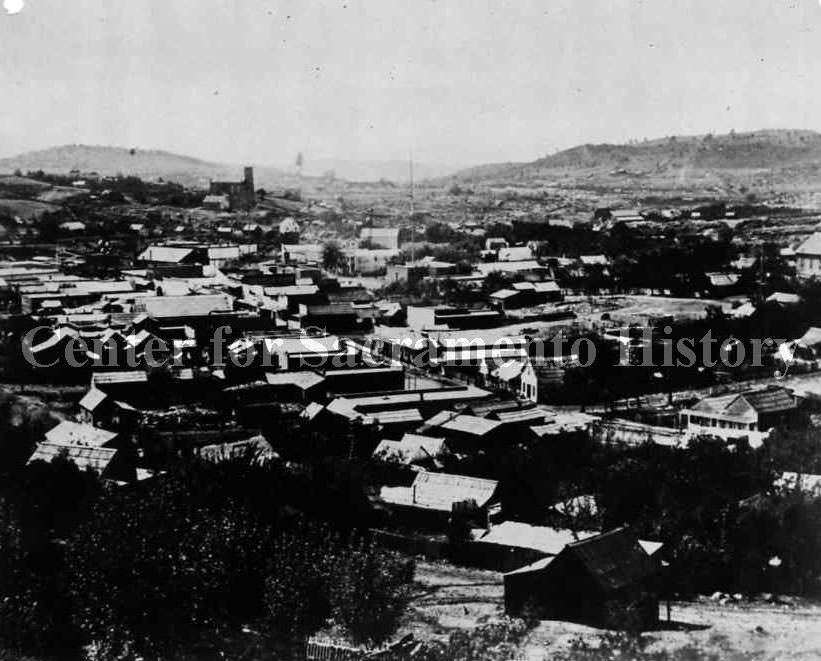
(780,159)
(147,164)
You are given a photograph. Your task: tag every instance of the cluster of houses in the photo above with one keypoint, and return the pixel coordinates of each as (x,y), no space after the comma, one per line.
(391,382)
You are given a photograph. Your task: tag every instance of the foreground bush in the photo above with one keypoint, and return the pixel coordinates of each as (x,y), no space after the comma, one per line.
(144,571)
(316,576)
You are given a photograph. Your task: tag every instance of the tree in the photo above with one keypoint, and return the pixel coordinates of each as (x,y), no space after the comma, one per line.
(332,256)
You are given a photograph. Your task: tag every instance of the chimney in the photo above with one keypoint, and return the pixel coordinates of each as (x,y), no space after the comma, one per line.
(249,177)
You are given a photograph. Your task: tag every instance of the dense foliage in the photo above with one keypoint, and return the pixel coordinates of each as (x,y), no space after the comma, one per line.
(139,571)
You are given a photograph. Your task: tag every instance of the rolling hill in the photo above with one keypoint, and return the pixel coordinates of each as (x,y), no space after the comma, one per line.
(147,164)
(767,159)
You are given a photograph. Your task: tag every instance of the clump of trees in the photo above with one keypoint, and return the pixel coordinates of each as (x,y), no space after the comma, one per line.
(144,570)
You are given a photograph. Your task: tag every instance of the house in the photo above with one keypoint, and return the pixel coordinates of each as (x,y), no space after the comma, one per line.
(746,414)
(510,545)
(540,378)
(607,580)
(100,410)
(381,237)
(808,257)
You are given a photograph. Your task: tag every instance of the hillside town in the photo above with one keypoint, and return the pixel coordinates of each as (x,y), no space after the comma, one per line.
(164,323)
(410,332)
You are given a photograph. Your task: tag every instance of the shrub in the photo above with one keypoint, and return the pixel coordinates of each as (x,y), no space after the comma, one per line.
(315,576)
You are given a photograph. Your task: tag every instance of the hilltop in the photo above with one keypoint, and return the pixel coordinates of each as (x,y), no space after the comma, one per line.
(759,160)
(146,164)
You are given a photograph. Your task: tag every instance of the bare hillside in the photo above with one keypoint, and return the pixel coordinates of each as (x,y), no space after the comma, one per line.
(776,159)
(147,164)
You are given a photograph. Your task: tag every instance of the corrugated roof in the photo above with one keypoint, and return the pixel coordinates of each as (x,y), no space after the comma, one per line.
(400,416)
(438,491)
(131,376)
(96,459)
(75,433)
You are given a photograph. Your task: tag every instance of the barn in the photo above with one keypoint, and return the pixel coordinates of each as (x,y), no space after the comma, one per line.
(608,580)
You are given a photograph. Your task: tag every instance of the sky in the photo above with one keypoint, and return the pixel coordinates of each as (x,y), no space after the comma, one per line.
(450,81)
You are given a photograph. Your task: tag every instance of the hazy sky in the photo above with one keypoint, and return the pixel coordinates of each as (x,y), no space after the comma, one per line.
(454,81)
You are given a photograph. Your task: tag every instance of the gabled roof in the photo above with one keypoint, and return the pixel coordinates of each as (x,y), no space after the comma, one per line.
(811,338)
(510,370)
(613,559)
(811,247)
(93,458)
(767,400)
(771,400)
(75,433)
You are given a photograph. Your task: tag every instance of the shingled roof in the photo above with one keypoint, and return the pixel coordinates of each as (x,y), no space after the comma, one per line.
(613,559)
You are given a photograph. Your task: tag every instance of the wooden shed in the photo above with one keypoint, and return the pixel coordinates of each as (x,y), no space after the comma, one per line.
(608,580)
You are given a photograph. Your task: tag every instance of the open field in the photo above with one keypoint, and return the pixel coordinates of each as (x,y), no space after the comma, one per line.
(448,598)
